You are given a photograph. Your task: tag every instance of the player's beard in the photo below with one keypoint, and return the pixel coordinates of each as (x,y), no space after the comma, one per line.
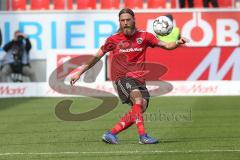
(128,30)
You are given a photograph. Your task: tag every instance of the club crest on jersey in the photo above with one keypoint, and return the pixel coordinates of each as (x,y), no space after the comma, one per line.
(139,40)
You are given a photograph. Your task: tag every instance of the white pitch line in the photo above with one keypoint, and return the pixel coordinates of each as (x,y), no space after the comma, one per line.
(116,152)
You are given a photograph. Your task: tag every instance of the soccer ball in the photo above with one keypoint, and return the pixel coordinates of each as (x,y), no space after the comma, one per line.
(162,25)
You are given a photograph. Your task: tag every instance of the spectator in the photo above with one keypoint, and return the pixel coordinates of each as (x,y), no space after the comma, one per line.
(173,36)
(213,2)
(182,3)
(16,59)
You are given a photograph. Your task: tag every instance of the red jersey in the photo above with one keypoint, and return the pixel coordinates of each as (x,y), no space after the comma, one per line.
(127,54)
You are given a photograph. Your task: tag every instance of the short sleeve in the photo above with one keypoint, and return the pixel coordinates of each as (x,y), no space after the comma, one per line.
(109,45)
(152,41)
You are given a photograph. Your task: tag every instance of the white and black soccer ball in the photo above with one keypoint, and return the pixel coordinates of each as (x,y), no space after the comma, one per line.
(162,25)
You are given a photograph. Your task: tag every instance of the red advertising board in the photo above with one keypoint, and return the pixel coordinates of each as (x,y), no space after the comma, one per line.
(200,63)
(218,28)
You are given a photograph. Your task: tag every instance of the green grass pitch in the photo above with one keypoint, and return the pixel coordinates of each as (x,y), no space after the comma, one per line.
(188,128)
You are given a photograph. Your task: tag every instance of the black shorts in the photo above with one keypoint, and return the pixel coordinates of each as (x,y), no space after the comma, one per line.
(126,84)
(18,67)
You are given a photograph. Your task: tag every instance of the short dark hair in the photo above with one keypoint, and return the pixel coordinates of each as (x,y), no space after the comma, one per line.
(126,10)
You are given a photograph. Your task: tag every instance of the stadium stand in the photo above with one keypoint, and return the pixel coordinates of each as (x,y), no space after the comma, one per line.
(63,4)
(86,4)
(110,4)
(40,4)
(226,3)
(16,5)
(134,4)
(105,4)
(221,3)
(198,4)
(173,4)
(156,3)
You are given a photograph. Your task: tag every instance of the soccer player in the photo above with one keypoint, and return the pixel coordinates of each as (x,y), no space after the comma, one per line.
(127,48)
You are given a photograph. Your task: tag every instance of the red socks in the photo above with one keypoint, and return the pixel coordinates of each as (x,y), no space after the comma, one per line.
(133,116)
(138,115)
(123,124)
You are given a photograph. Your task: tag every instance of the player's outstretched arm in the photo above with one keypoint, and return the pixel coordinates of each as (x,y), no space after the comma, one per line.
(87,66)
(172,45)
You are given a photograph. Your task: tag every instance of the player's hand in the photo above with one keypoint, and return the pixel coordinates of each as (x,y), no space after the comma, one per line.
(75,78)
(182,41)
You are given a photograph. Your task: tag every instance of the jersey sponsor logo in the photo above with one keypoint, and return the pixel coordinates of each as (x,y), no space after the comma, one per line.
(139,40)
(131,50)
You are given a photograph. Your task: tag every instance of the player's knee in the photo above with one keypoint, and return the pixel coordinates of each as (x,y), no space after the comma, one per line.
(136,97)
(143,102)
(144,105)
(138,100)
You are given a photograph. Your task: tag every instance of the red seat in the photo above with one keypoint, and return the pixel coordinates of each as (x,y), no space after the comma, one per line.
(16,4)
(39,4)
(173,4)
(60,4)
(156,3)
(226,3)
(133,4)
(198,4)
(86,4)
(110,4)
